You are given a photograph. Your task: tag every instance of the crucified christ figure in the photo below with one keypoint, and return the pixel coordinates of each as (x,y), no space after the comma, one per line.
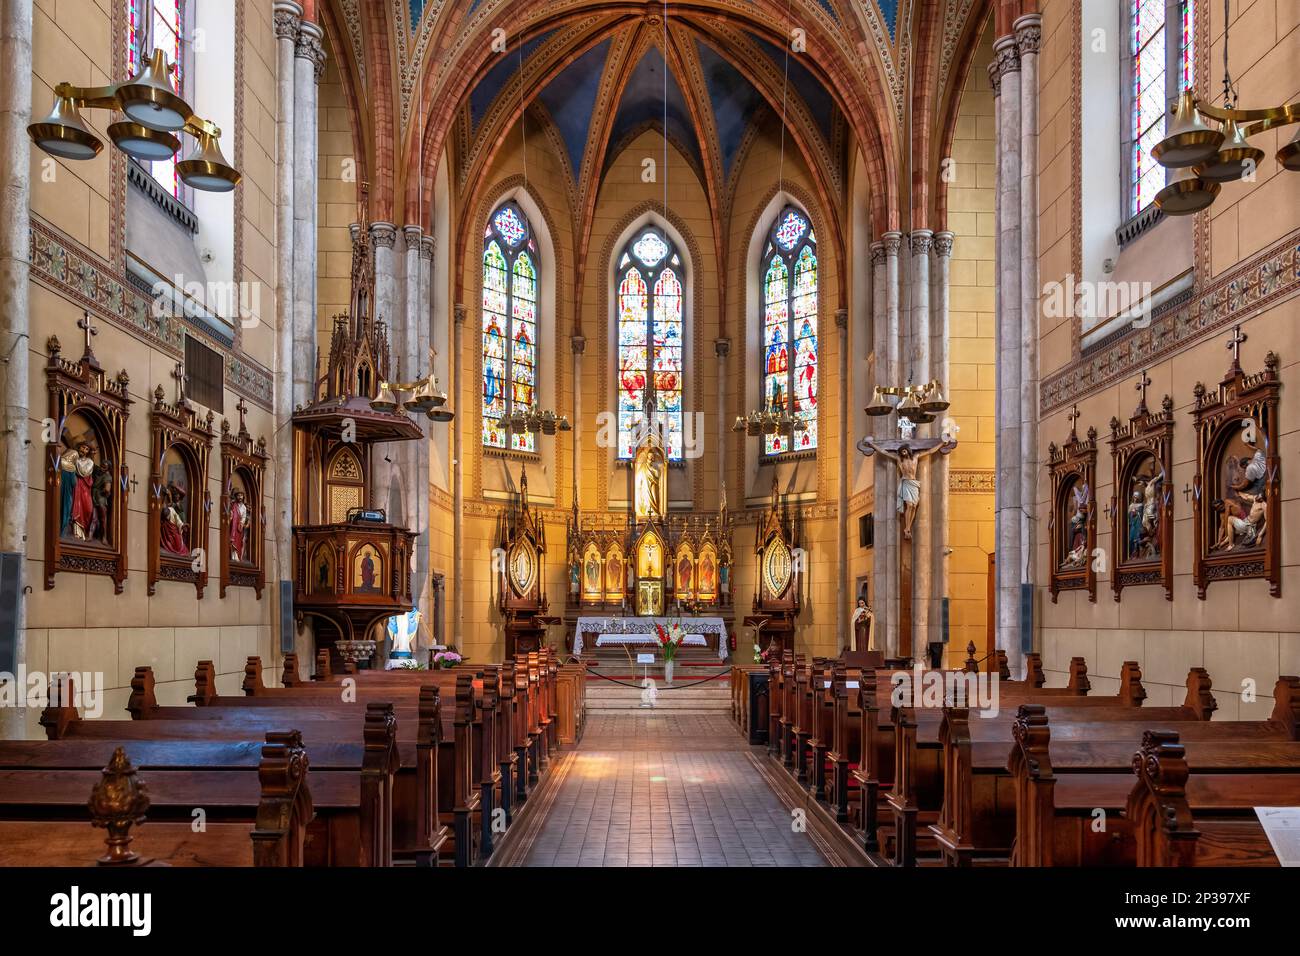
(909,489)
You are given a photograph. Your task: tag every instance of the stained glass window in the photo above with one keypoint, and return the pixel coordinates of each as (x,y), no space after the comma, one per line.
(1153,88)
(651,292)
(789,291)
(509,326)
(150,25)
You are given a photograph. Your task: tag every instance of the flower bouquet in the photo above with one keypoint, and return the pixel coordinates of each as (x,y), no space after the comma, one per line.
(671,638)
(445,659)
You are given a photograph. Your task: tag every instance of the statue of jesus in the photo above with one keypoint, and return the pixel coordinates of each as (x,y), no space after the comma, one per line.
(909,488)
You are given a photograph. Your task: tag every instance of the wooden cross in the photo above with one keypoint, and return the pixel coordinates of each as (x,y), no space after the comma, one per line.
(135,483)
(1073,416)
(1143,381)
(1234,343)
(85,325)
(178,373)
(243,410)
(1187,492)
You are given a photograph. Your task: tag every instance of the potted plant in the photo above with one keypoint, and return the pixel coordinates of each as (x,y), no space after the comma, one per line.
(670,639)
(446,659)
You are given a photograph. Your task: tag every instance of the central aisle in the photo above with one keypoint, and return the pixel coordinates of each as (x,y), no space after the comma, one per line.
(663,789)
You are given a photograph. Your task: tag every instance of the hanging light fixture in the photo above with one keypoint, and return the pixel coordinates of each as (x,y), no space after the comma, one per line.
(878,406)
(64,133)
(385,401)
(1206,157)
(155,114)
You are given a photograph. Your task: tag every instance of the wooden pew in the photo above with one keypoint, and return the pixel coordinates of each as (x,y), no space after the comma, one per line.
(257,799)
(1178,818)
(1060,785)
(432,762)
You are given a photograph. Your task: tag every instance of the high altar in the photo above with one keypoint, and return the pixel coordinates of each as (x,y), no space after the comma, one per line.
(651,564)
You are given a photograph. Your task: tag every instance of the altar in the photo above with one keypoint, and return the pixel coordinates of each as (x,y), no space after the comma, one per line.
(640,632)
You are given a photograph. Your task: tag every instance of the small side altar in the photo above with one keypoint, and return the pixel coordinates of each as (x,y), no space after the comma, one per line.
(637,631)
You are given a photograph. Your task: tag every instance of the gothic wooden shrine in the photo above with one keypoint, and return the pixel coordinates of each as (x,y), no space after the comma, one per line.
(178,491)
(1142,510)
(243,517)
(86,478)
(778,572)
(520,565)
(1072,524)
(352,569)
(1237,502)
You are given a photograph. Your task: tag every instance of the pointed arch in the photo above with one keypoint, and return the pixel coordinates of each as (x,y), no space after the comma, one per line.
(511,272)
(789,299)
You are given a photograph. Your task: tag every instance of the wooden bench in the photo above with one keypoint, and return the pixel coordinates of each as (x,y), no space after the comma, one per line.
(1061,785)
(257,802)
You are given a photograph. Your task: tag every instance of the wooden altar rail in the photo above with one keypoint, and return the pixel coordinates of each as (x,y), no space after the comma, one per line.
(916,785)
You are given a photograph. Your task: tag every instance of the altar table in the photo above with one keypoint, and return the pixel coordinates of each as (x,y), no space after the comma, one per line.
(641,630)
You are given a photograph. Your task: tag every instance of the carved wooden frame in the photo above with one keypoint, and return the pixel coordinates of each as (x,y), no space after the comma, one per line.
(1077,459)
(1147,434)
(1217,417)
(178,426)
(239,454)
(83,386)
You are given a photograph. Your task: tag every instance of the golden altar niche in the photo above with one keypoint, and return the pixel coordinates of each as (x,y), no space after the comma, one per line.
(649,562)
(352,568)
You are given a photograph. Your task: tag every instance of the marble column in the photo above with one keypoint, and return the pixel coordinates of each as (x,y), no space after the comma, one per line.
(882,505)
(457,481)
(424,468)
(578,344)
(842,545)
(286,16)
(939,369)
(1027,32)
(1009,514)
(919,243)
(15,321)
(387,458)
(308,66)
(893,243)
(415,454)
(722,349)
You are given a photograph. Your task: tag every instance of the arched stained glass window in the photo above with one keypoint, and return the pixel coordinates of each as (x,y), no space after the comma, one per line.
(510,268)
(789,290)
(1162,53)
(651,293)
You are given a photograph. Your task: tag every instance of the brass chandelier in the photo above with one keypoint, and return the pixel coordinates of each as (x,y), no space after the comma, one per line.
(532,421)
(769,421)
(422,396)
(919,404)
(155,115)
(1206,157)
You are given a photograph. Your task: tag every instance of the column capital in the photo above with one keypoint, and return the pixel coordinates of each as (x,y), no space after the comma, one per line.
(877,253)
(722,347)
(459,312)
(285,17)
(411,236)
(578,343)
(1028,30)
(426,247)
(1005,55)
(308,46)
(842,319)
(383,234)
(995,78)
(943,244)
(892,242)
(919,241)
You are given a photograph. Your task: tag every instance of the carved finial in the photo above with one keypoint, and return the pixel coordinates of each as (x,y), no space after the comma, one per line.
(53,346)
(1234,345)
(117,803)
(1141,387)
(89,329)
(158,396)
(1167,404)
(1271,361)
(1092,433)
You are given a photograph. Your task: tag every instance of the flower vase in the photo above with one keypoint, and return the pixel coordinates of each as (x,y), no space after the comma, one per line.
(668,671)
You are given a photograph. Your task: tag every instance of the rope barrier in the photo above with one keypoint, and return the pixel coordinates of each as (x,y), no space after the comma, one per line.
(615,680)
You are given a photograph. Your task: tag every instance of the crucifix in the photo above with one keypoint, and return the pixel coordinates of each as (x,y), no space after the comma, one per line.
(1143,381)
(1187,493)
(178,373)
(1234,343)
(1073,416)
(85,325)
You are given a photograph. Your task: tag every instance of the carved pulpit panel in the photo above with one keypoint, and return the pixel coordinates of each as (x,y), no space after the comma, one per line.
(86,478)
(1238,492)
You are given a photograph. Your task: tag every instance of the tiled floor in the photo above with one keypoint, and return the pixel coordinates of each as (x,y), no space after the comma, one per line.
(666,790)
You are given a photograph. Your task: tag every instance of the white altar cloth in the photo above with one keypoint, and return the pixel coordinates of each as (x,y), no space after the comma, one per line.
(640,628)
